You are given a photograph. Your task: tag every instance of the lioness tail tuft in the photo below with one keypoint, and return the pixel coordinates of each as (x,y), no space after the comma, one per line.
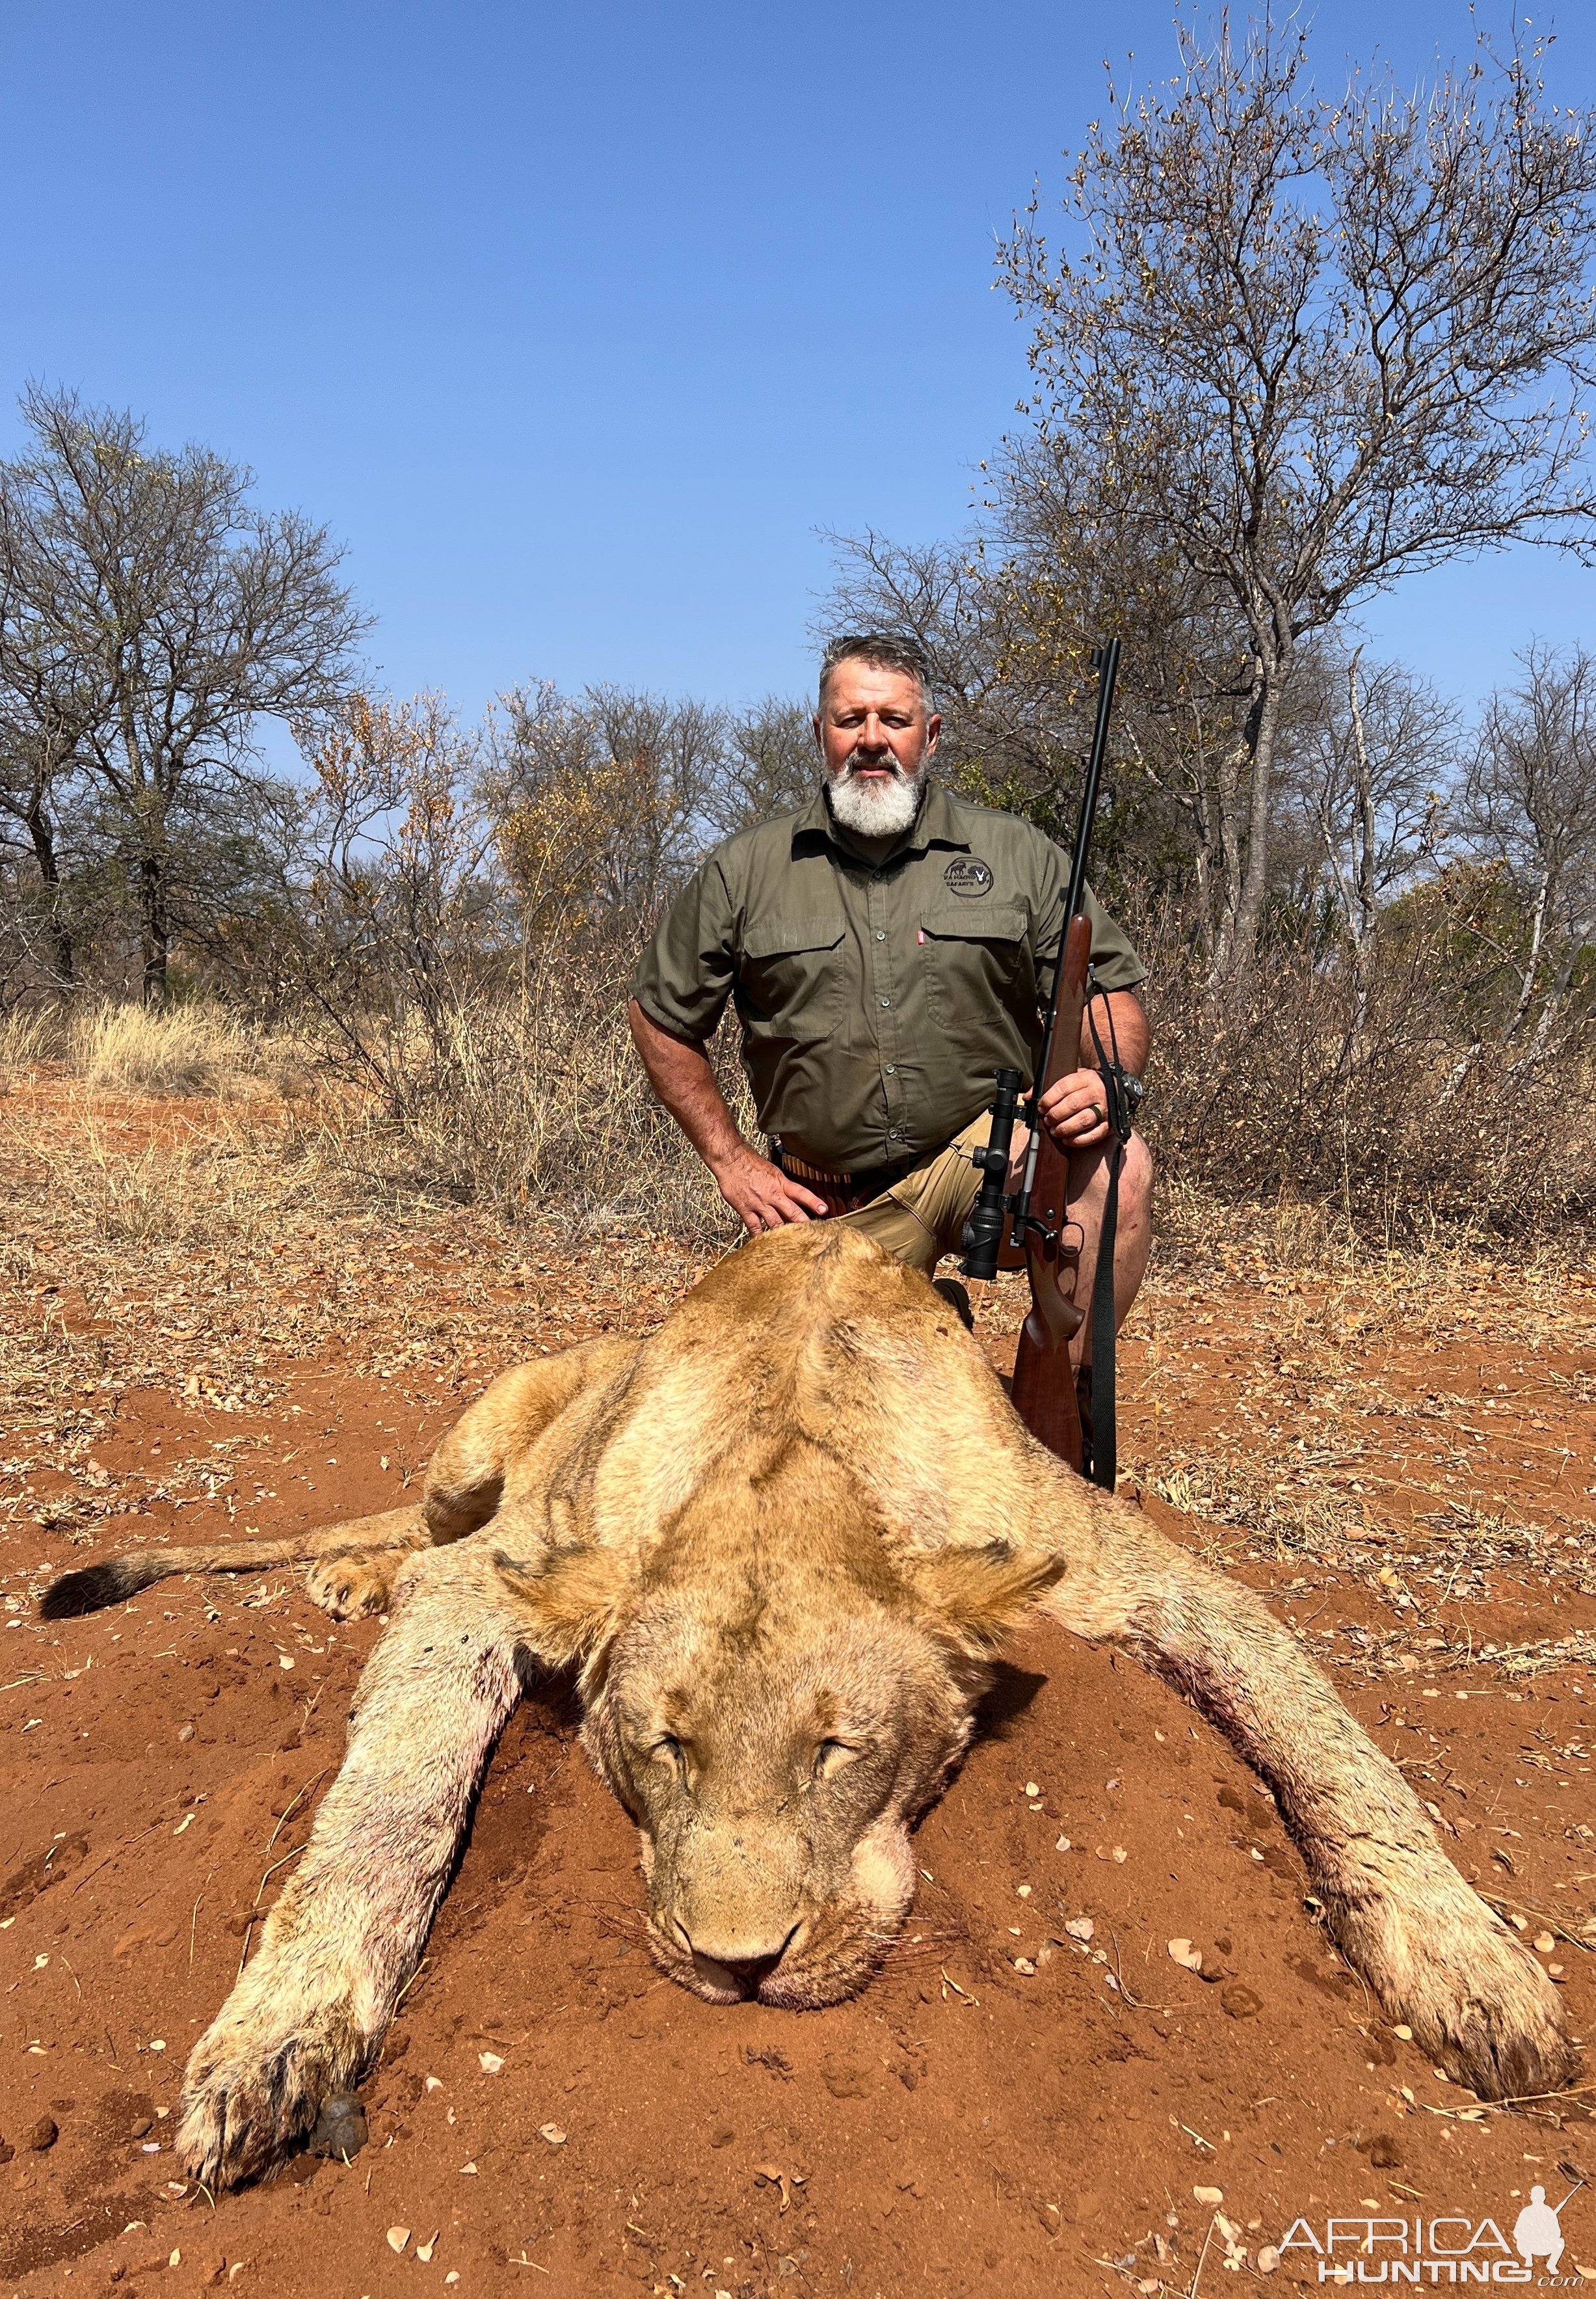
(98,1585)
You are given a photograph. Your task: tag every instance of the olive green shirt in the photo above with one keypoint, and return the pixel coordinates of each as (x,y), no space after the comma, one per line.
(876,997)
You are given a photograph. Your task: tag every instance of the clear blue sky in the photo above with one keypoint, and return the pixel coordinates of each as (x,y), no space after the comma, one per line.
(576,322)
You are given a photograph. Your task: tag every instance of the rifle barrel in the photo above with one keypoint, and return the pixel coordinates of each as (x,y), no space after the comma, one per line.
(1105,662)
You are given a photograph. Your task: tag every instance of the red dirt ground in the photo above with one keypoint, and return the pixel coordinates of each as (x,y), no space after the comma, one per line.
(965,2127)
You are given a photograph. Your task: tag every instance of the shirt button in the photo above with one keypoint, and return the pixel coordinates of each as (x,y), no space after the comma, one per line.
(880,935)
(893,1133)
(892,1069)
(886,1001)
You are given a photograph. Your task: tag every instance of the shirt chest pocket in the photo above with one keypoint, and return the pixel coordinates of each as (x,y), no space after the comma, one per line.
(791,979)
(977,956)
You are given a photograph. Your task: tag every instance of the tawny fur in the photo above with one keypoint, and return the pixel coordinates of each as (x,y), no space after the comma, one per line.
(778,1539)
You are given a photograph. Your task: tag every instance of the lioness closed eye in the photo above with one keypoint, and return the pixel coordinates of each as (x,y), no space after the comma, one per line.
(778,1542)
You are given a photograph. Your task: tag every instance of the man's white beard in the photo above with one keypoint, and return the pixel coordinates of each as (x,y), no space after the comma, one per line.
(876,808)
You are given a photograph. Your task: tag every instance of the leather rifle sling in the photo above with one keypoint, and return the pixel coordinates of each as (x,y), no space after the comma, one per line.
(1104,1462)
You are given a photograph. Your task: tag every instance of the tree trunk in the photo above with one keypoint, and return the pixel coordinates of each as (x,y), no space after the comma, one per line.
(1228,778)
(1361,903)
(1556,999)
(41,831)
(1254,886)
(1527,987)
(157,930)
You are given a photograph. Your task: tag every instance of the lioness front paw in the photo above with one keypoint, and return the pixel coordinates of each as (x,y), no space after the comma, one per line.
(346,1586)
(1474,1997)
(248,2096)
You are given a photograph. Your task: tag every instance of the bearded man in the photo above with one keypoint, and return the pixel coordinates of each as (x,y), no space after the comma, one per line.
(887,949)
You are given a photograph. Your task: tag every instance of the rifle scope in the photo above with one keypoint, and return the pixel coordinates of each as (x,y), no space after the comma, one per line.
(983,1231)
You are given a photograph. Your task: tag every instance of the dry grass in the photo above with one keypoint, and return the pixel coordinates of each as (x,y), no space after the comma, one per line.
(225,1191)
(187,1050)
(28,1040)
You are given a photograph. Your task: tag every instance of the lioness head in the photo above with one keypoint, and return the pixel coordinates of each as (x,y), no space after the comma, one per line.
(774,1700)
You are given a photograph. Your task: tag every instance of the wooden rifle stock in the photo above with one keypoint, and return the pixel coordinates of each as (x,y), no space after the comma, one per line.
(1044,1386)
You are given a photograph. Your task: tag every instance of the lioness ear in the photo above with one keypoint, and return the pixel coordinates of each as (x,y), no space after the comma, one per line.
(573,1598)
(978,1596)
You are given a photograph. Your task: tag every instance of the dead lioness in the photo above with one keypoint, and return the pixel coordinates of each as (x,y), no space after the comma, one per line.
(779,1539)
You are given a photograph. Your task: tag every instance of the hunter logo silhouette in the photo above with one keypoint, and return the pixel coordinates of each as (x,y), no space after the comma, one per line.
(1537,2232)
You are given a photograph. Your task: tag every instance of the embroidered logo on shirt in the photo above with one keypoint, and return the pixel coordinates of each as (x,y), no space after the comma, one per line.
(965,876)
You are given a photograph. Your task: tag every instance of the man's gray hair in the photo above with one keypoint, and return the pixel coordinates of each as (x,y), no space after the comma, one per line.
(888,650)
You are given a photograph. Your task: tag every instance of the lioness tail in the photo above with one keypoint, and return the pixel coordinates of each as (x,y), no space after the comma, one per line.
(119,1578)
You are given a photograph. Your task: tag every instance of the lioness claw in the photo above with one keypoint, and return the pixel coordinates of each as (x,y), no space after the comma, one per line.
(778,1542)
(348,1589)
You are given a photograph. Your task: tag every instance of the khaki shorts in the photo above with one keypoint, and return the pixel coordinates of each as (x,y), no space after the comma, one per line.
(923,1217)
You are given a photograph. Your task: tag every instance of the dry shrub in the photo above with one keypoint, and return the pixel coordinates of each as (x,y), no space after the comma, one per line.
(1360,1130)
(529,1096)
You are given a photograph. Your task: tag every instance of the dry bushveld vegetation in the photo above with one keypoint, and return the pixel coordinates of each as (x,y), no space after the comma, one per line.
(1292,344)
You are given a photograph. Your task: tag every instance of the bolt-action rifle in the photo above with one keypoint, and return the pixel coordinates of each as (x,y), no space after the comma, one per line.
(1044,1386)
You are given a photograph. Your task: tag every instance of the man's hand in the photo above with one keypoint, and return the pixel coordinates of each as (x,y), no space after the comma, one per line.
(760,1194)
(1074,1111)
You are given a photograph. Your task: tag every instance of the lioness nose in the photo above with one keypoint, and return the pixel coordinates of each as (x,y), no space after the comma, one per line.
(752,1969)
(749,1969)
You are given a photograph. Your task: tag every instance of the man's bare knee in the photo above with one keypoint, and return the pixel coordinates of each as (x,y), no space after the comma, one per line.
(1136,1180)
(1089,1183)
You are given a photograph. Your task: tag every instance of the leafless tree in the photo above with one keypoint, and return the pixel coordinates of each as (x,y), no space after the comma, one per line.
(152,617)
(387,913)
(768,765)
(1309,344)
(33,777)
(1529,808)
(47,704)
(1363,787)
